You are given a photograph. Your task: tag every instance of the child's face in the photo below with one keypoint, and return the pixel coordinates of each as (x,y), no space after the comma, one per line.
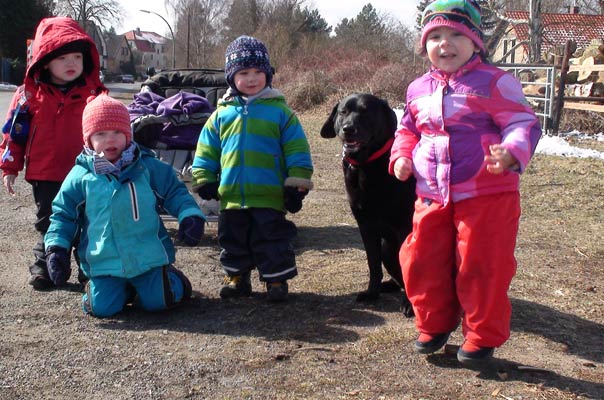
(448,49)
(250,81)
(66,68)
(110,143)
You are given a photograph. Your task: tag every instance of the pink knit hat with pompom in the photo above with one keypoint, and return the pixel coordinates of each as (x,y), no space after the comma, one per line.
(104,113)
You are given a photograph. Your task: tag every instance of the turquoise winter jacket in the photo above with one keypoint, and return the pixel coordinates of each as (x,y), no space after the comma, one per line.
(122,234)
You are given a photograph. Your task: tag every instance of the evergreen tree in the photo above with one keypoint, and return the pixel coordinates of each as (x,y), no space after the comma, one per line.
(314,23)
(18,23)
(367,28)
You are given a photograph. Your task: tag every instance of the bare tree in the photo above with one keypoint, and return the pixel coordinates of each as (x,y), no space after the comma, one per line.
(585,6)
(103,13)
(535,31)
(534,22)
(198,31)
(244,18)
(285,25)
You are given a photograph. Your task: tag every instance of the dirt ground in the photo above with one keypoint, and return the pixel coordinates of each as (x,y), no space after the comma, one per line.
(321,344)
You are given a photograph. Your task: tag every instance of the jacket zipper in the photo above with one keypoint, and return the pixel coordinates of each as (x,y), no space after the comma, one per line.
(134,201)
(242,155)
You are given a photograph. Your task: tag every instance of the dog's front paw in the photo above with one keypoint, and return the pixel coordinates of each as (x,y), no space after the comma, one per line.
(406,307)
(368,296)
(390,286)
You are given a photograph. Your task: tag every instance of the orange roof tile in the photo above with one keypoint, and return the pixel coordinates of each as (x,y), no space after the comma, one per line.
(559,28)
(144,40)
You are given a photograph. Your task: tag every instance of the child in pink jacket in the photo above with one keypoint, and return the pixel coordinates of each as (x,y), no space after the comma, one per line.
(467,134)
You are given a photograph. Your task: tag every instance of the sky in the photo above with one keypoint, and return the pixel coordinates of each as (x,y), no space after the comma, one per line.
(333,11)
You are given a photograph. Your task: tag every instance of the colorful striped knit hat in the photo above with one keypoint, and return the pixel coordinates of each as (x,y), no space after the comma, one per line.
(462,15)
(247,52)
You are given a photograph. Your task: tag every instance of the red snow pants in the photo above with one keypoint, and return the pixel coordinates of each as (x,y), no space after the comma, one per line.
(458,263)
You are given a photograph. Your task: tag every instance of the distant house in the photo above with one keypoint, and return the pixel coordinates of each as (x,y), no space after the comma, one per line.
(557,30)
(95,33)
(118,54)
(149,50)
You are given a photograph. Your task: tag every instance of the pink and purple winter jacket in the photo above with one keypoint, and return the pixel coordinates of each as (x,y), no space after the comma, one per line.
(450,121)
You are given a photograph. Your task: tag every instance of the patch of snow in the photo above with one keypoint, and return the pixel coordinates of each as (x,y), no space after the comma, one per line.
(7,86)
(558,146)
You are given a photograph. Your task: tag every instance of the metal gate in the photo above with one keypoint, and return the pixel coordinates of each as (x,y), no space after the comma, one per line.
(543,104)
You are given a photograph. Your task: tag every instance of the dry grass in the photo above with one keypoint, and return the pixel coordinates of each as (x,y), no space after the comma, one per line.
(321,344)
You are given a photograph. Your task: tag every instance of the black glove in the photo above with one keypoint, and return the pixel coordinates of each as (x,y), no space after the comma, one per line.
(59,265)
(191,230)
(209,191)
(293,198)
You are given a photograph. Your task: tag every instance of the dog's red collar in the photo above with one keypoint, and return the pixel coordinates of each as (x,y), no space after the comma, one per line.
(374,156)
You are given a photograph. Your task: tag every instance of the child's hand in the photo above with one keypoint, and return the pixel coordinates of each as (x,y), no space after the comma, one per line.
(403,168)
(9,182)
(292,198)
(59,265)
(500,159)
(190,230)
(209,191)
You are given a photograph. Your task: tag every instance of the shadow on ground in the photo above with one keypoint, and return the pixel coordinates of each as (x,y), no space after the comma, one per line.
(306,317)
(582,337)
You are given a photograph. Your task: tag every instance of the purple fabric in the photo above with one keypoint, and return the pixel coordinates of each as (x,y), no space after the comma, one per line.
(182,136)
(177,133)
(144,103)
(184,103)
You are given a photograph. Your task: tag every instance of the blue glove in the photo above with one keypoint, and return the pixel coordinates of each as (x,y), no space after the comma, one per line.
(191,230)
(292,198)
(59,265)
(209,191)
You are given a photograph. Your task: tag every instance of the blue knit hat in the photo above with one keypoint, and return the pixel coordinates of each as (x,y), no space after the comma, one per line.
(462,15)
(247,52)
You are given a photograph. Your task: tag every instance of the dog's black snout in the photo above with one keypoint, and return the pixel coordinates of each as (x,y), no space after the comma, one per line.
(348,128)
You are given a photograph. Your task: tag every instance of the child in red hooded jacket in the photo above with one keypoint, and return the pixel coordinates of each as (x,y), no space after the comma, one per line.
(43,132)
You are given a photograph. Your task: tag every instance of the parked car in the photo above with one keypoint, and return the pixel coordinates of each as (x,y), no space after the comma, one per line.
(127,78)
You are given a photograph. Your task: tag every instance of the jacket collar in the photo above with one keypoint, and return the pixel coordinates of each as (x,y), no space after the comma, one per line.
(87,159)
(267,93)
(472,63)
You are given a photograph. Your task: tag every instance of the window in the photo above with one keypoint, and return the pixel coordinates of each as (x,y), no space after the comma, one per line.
(509,44)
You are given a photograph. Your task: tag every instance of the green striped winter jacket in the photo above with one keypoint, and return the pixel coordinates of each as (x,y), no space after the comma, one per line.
(252,148)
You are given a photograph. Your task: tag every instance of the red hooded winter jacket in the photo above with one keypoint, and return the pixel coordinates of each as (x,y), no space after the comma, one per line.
(55,136)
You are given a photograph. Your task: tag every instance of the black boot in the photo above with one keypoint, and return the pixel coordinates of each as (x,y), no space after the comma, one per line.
(39,278)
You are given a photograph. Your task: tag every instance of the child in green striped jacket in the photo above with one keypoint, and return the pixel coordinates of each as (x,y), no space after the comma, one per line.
(253,155)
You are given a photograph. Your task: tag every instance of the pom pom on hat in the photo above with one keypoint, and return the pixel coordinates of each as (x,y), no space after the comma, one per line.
(462,15)
(104,113)
(247,52)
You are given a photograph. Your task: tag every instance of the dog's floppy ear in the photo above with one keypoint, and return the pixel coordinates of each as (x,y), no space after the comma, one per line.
(328,130)
(392,119)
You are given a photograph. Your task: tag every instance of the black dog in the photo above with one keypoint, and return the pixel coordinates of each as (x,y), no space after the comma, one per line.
(381,204)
